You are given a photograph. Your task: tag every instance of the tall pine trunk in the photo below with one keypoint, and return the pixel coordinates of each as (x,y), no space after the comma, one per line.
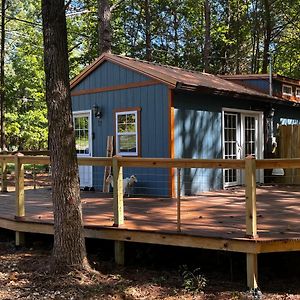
(2,81)
(104,26)
(207,41)
(69,247)
(267,35)
(148,30)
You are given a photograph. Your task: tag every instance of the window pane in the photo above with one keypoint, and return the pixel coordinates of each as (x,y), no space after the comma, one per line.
(127,143)
(287,89)
(131,127)
(122,119)
(130,118)
(121,128)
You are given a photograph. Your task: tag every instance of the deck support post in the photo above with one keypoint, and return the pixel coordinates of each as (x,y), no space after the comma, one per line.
(119,252)
(20,203)
(118,208)
(4,176)
(251,219)
(252,281)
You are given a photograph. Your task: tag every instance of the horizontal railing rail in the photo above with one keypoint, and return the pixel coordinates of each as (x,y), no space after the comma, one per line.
(250,165)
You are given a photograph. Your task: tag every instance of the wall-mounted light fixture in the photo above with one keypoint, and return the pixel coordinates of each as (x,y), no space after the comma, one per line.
(271,113)
(97,112)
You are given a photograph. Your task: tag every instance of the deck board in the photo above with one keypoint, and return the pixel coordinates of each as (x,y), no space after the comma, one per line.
(212,214)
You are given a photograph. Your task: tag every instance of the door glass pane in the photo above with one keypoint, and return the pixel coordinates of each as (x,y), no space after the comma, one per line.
(250,141)
(230,145)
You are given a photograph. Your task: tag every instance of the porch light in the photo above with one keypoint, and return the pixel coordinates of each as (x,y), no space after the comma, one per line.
(97,112)
(271,113)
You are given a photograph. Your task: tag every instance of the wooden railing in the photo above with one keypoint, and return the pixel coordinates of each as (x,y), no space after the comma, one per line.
(118,163)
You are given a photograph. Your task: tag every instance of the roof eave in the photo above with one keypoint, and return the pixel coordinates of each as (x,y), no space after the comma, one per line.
(208,90)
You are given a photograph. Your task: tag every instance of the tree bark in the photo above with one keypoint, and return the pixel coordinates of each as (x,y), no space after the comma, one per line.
(207,41)
(104,26)
(69,248)
(2,81)
(267,36)
(148,30)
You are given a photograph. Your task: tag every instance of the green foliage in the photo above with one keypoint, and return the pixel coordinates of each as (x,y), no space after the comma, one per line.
(177,29)
(193,281)
(27,130)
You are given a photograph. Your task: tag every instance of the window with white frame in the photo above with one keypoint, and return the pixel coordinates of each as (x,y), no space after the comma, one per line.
(82,133)
(127,133)
(297,92)
(287,90)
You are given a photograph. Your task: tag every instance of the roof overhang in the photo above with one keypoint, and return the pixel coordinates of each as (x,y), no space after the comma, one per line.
(238,95)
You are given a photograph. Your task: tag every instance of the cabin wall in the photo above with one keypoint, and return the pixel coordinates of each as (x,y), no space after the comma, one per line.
(153,102)
(198,132)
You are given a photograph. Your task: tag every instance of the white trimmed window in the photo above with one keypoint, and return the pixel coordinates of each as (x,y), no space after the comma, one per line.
(297,92)
(127,134)
(287,90)
(82,128)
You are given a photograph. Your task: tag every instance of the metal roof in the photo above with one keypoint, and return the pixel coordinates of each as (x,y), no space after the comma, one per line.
(278,77)
(177,78)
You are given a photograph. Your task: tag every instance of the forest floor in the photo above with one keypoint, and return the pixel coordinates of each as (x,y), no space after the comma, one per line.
(24,274)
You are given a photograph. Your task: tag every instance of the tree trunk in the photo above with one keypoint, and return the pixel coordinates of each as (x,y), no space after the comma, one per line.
(148,31)
(69,247)
(104,27)
(207,41)
(2,82)
(267,36)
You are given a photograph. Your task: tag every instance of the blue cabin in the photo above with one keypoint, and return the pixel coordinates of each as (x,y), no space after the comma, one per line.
(154,110)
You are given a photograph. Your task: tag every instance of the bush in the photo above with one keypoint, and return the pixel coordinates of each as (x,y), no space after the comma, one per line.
(193,281)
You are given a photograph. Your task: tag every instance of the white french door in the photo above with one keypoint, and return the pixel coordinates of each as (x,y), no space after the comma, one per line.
(242,136)
(83,139)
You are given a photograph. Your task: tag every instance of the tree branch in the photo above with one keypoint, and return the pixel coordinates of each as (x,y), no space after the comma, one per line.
(114,6)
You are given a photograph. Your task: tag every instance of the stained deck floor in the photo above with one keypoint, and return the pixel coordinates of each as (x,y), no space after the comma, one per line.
(212,214)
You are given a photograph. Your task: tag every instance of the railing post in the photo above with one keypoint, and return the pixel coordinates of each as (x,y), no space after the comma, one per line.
(118,193)
(4,175)
(250,180)
(251,219)
(118,206)
(178,200)
(34,176)
(20,204)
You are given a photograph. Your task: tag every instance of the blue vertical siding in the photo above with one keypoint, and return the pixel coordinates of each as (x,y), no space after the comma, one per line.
(109,74)
(153,101)
(198,134)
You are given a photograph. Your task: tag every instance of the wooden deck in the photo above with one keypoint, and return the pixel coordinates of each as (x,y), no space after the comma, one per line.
(213,220)
(253,220)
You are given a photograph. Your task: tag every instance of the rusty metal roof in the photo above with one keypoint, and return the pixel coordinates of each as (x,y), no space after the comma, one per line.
(284,79)
(177,78)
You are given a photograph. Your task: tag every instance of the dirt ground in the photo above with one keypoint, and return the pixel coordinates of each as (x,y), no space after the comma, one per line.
(24,274)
